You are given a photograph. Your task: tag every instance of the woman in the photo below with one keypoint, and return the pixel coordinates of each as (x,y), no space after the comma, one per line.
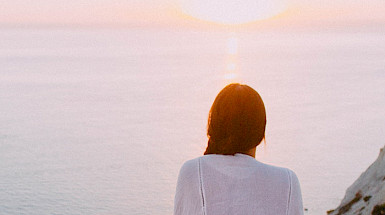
(228,179)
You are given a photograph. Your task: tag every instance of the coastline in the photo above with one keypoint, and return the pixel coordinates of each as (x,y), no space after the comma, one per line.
(367,194)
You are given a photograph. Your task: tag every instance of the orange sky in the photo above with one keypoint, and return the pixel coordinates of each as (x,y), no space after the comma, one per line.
(166,13)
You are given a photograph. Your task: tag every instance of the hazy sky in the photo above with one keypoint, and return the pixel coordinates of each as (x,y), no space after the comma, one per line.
(167,12)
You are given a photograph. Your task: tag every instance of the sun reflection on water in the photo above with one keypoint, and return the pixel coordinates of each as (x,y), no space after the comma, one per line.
(231,62)
(230,76)
(232,45)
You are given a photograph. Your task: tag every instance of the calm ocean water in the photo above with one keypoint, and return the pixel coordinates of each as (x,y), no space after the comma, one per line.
(100,121)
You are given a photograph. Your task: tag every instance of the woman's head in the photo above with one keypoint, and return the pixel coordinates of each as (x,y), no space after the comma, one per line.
(237,121)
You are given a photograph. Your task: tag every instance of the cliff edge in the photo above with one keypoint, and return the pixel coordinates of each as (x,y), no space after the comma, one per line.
(367,194)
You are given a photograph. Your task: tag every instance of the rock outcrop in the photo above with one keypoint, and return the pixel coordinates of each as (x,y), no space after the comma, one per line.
(367,194)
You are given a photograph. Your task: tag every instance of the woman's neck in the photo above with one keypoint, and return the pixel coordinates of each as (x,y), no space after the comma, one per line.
(251,152)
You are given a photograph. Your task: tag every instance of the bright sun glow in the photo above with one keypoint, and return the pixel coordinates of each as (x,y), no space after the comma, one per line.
(233,11)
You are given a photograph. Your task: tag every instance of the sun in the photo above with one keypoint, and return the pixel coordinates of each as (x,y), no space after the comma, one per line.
(232,11)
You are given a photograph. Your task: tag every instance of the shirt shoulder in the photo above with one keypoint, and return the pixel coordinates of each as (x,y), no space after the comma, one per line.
(189,172)
(188,197)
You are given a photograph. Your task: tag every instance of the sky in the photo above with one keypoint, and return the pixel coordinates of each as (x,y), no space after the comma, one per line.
(168,13)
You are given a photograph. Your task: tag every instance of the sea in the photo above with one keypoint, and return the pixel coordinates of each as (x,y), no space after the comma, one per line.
(99,120)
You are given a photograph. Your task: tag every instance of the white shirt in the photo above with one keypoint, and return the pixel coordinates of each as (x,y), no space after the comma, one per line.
(225,184)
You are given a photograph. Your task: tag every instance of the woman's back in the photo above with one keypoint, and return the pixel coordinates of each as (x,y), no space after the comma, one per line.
(227,179)
(226,184)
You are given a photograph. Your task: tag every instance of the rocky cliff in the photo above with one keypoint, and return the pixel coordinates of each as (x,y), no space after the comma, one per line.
(367,194)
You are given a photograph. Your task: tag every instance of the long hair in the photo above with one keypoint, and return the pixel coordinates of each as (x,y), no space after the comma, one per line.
(236,122)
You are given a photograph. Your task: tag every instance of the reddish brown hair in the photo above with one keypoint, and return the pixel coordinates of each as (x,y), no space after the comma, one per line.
(237,121)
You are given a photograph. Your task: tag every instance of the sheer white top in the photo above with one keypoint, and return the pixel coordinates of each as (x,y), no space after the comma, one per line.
(239,184)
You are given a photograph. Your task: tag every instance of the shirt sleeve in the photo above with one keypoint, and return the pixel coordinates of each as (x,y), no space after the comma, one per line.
(187,196)
(295,206)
